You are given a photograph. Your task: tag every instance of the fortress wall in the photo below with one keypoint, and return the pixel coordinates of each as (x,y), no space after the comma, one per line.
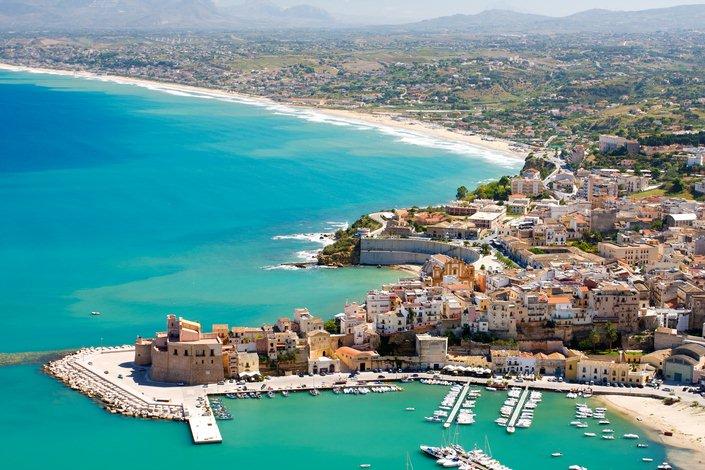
(388,251)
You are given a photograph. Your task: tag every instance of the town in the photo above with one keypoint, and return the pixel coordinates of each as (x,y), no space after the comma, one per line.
(569,277)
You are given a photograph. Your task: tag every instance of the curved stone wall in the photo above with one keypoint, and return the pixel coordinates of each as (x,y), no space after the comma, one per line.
(386,251)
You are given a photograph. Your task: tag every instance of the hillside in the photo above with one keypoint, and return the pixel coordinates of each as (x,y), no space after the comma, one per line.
(685,17)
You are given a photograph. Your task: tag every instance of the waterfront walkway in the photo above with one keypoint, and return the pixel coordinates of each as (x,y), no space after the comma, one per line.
(461,397)
(110,376)
(517,409)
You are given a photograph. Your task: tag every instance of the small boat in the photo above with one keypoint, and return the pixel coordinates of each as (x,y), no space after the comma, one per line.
(95,313)
(604,421)
(642,446)
(510,429)
(608,431)
(285,393)
(556,454)
(270,394)
(589,434)
(631,436)
(647,459)
(410,408)
(664,466)
(609,437)
(365,465)
(576,467)
(581,425)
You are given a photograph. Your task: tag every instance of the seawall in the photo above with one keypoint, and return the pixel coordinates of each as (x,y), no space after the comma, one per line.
(390,251)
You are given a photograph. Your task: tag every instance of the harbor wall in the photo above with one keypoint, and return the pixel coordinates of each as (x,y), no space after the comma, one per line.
(390,251)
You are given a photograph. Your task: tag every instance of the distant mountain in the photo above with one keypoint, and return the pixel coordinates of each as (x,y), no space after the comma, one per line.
(266,11)
(263,14)
(155,14)
(492,21)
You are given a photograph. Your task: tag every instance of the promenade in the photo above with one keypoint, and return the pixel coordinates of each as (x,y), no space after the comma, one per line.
(109,376)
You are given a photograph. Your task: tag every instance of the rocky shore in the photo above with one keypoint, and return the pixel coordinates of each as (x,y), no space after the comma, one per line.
(114,399)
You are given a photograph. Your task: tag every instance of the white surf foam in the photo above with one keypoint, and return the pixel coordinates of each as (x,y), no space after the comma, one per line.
(401,135)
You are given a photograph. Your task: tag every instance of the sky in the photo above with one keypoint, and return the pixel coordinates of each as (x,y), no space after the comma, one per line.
(400,11)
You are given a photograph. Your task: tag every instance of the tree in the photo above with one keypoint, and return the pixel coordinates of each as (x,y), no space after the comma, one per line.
(594,338)
(676,186)
(485,249)
(461,193)
(331,326)
(611,334)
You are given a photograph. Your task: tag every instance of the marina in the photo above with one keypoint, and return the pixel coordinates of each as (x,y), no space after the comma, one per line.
(252,417)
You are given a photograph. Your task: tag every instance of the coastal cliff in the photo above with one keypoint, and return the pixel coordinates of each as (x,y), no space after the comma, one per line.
(345,251)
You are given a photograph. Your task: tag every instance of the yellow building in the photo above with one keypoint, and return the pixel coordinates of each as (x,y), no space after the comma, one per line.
(591,370)
(633,254)
(352,359)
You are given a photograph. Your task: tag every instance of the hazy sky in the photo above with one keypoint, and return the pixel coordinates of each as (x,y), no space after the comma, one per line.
(410,10)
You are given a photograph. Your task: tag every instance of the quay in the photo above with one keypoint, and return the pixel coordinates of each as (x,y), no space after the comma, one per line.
(453,412)
(201,421)
(517,409)
(109,376)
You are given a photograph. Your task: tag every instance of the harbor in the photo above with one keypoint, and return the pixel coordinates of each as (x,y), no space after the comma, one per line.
(108,376)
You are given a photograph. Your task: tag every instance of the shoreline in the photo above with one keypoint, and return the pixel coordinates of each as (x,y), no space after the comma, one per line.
(687,445)
(435,136)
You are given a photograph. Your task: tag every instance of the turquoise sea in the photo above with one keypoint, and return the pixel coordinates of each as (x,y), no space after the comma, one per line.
(138,203)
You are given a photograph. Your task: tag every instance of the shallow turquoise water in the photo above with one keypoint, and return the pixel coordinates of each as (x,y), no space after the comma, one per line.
(138,203)
(53,425)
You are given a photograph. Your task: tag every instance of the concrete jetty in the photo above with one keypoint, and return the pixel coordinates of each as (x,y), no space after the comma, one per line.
(454,411)
(109,376)
(204,427)
(517,409)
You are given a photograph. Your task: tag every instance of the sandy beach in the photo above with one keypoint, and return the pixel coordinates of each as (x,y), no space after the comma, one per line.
(686,448)
(384,121)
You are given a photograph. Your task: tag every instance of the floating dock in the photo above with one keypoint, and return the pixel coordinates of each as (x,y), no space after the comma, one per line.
(517,410)
(461,397)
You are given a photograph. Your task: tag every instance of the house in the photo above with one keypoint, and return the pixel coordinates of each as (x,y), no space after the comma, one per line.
(354,360)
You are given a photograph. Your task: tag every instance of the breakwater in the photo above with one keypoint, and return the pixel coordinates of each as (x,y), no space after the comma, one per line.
(391,251)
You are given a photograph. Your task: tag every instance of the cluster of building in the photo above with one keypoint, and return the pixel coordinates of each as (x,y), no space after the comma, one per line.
(576,262)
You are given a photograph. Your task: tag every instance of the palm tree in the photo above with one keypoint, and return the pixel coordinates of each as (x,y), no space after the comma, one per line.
(594,338)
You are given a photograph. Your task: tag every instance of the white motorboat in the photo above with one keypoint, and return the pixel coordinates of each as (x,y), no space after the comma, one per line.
(556,454)
(631,436)
(647,459)
(410,408)
(664,466)
(510,429)
(608,437)
(589,434)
